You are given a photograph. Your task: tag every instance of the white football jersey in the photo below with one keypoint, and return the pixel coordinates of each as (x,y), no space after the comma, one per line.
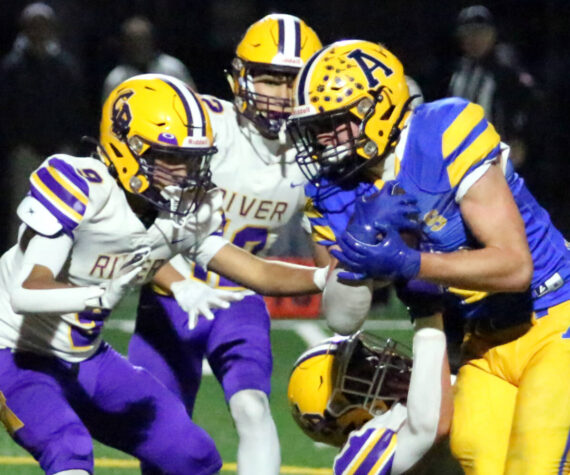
(371,449)
(80,197)
(261,183)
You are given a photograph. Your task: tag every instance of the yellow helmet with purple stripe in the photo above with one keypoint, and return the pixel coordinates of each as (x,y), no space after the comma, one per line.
(339,384)
(279,45)
(147,120)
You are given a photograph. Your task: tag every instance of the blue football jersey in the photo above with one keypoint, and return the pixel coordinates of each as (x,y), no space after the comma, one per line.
(444,148)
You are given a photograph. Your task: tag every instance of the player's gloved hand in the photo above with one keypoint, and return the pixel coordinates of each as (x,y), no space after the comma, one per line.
(197,298)
(390,206)
(388,259)
(114,289)
(420,297)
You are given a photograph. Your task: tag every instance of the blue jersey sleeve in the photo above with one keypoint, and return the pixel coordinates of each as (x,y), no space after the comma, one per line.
(449,139)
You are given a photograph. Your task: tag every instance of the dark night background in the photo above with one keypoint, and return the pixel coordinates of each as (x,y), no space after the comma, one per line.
(203,34)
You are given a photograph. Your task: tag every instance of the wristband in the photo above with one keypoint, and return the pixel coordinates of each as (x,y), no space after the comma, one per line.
(320,277)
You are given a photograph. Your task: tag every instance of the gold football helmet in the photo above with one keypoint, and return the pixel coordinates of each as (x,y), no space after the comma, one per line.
(277,45)
(156,138)
(340,384)
(350,82)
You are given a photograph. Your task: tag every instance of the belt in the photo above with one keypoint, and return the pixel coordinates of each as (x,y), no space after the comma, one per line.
(554,282)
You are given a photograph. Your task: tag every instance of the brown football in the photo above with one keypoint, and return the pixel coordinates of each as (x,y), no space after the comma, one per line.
(409,238)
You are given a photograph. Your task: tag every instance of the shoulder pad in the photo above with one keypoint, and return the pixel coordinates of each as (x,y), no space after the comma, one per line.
(447,139)
(61,190)
(214,104)
(38,217)
(223,118)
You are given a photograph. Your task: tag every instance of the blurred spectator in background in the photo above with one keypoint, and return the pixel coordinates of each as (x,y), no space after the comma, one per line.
(141,55)
(41,102)
(489,74)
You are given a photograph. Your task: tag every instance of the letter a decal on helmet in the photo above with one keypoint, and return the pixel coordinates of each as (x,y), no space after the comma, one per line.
(363,61)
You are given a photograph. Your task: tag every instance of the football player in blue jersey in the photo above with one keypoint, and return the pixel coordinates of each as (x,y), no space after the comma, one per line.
(503,267)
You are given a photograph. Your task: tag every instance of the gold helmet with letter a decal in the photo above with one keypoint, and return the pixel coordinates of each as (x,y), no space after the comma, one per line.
(152,124)
(340,384)
(350,82)
(277,45)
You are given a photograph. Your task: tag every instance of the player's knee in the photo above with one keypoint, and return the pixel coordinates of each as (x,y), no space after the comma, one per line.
(73,472)
(249,408)
(185,457)
(206,461)
(70,449)
(186,450)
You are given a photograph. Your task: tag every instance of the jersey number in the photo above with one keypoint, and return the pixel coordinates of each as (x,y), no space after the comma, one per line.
(251,238)
(90,175)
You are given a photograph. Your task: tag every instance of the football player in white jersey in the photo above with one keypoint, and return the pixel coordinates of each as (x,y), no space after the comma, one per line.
(262,190)
(92,226)
(360,393)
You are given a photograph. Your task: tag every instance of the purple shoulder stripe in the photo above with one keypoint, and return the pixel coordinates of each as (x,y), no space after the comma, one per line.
(355,444)
(60,188)
(70,173)
(375,454)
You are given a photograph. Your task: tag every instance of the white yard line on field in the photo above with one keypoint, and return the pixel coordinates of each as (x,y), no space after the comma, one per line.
(302,327)
(311,332)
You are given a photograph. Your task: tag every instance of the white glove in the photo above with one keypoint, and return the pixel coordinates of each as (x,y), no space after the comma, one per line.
(197,298)
(114,290)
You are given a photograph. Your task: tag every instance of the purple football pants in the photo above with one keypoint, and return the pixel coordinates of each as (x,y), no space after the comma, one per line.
(236,343)
(62,405)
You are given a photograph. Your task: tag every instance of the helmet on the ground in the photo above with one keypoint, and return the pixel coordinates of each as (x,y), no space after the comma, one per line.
(338,385)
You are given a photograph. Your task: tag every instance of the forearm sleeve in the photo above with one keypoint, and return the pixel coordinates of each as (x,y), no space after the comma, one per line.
(346,306)
(50,252)
(424,399)
(207,250)
(60,300)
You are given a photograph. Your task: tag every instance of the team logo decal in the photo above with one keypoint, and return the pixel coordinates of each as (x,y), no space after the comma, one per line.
(122,115)
(369,64)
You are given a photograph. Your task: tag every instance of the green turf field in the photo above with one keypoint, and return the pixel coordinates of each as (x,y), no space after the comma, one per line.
(299,454)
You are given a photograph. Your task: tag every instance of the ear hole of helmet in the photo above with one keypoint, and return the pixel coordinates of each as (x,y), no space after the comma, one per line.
(116,151)
(388,113)
(327,428)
